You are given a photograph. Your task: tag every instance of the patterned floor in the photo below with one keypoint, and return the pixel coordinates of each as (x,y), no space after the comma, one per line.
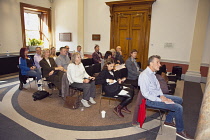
(18,125)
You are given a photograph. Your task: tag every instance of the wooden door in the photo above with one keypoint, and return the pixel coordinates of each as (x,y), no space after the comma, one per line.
(130,34)
(130,27)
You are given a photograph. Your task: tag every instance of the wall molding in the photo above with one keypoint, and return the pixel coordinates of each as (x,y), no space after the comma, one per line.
(182,62)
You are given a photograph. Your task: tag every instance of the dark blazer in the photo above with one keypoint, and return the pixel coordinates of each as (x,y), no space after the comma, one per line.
(46,67)
(132,70)
(119,57)
(96,57)
(110,90)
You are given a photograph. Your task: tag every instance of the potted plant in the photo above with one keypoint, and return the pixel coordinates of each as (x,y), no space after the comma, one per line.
(33,43)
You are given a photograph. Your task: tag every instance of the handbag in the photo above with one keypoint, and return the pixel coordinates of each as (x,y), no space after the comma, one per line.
(72,101)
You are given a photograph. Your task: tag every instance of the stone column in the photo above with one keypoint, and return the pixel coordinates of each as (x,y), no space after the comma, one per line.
(193,72)
(203,128)
(80,35)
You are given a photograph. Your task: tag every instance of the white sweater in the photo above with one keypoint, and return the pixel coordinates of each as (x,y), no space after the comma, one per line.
(76,73)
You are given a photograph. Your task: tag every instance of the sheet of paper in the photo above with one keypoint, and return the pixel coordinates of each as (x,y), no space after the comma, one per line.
(119,67)
(123,92)
(124,87)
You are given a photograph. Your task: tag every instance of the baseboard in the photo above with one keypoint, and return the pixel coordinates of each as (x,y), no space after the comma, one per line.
(194,79)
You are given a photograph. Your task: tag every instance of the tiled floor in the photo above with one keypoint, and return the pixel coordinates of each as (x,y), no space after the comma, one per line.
(8,92)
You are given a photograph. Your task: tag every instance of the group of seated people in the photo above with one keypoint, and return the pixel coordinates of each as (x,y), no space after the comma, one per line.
(54,67)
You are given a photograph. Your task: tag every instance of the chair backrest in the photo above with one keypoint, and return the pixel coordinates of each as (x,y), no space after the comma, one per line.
(163,84)
(97,68)
(124,72)
(139,99)
(89,70)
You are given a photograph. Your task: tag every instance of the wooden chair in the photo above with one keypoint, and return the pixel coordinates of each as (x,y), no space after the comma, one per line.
(104,96)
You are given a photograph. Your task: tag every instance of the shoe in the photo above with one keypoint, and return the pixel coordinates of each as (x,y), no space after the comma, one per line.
(21,86)
(171,125)
(184,135)
(39,82)
(117,111)
(40,88)
(85,103)
(92,101)
(60,94)
(125,109)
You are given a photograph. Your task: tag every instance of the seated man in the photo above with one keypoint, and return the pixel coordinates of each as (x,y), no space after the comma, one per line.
(63,60)
(68,53)
(97,56)
(150,89)
(133,69)
(37,57)
(79,50)
(119,57)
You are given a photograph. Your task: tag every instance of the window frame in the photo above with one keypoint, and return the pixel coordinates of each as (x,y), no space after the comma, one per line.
(24,6)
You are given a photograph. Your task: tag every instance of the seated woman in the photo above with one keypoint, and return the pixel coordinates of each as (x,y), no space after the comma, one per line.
(28,67)
(79,78)
(112,87)
(53,53)
(107,55)
(50,70)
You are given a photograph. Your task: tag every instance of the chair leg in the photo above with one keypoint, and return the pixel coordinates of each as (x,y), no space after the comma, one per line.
(29,83)
(161,126)
(100,106)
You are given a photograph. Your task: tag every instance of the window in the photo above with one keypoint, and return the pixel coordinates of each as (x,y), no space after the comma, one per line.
(32,26)
(35,24)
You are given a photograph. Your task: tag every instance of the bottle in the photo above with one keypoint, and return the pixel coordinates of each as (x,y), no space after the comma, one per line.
(7,53)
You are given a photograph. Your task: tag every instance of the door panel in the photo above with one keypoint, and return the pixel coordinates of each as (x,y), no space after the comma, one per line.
(123,33)
(136,34)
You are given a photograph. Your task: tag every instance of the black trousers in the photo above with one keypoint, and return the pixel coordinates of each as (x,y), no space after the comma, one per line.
(125,100)
(132,82)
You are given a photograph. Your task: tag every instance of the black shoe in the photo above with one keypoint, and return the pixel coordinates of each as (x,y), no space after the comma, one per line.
(21,86)
(60,94)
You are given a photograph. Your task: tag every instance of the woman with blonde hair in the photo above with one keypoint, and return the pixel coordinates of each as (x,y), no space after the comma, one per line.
(50,70)
(79,78)
(53,53)
(113,53)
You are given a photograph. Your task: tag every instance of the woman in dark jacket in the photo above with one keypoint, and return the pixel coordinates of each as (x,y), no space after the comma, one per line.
(112,87)
(50,70)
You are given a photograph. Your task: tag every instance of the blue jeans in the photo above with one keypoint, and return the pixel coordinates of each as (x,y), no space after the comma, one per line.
(175,110)
(35,73)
